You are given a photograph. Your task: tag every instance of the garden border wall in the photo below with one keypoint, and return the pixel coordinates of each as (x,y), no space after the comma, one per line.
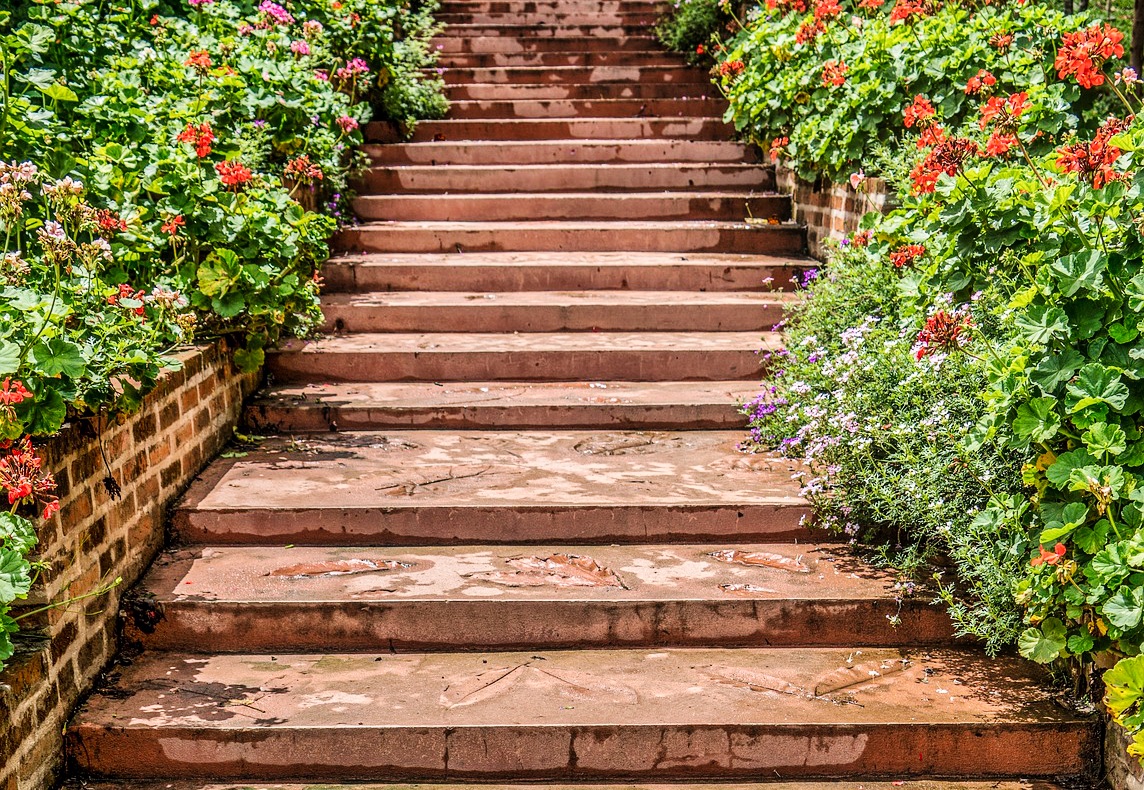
(829,210)
(154,454)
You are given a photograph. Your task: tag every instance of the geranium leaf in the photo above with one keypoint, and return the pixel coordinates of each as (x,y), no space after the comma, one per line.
(1125,609)
(1036,420)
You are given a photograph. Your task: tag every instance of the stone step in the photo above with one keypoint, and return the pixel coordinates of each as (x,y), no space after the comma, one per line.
(551,6)
(564,177)
(642,19)
(416,488)
(525,32)
(567,236)
(547,311)
(524,130)
(582,59)
(731,206)
(610,405)
(483,44)
(227,599)
(586,108)
(550,152)
(833,784)
(606,91)
(545,271)
(581,714)
(536,356)
(577,75)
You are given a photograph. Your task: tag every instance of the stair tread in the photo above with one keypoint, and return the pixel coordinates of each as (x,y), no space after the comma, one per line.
(463,470)
(837,784)
(650,226)
(477,394)
(559,259)
(781,688)
(497,342)
(494,300)
(555,197)
(208,575)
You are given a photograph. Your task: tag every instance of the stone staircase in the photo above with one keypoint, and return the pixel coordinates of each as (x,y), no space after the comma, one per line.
(501,531)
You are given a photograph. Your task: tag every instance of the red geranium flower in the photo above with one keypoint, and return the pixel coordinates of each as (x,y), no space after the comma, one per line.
(943,331)
(904,256)
(1000,144)
(109,222)
(983,79)
(201,137)
(1083,54)
(171,226)
(1001,41)
(777,146)
(1094,161)
(1004,112)
(919,113)
(199,60)
(834,73)
(809,31)
(946,157)
(826,9)
(1049,557)
(233,174)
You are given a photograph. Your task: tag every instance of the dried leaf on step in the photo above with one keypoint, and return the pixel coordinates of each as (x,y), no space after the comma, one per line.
(764,558)
(559,570)
(745,590)
(338,568)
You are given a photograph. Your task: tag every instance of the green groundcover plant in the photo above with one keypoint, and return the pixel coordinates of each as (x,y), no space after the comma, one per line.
(170,171)
(965,379)
(695,28)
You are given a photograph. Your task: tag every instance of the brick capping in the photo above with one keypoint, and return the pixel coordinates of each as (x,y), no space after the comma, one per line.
(154,454)
(829,210)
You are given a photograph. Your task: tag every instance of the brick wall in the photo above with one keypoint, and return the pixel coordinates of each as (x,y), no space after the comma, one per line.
(830,211)
(153,454)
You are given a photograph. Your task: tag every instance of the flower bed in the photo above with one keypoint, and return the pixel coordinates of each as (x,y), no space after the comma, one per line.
(169,175)
(964,379)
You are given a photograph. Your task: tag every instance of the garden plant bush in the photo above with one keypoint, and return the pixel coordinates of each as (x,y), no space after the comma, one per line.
(964,380)
(695,28)
(170,171)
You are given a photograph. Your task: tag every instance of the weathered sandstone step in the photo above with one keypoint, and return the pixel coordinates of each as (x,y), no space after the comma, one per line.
(565,236)
(564,177)
(483,44)
(570,356)
(589,92)
(546,311)
(548,271)
(834,784)
(524,32)
(574,74)
(547,152)
(586,108)
(515,207)
(518,130)
(227,599)
(521,405)
(408,488)
(635,714)
(642,19)
(550,6)
(582,59)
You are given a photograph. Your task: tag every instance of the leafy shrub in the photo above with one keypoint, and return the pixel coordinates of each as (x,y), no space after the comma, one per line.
(166,173)
(823,84)
(969,373)
(694,28)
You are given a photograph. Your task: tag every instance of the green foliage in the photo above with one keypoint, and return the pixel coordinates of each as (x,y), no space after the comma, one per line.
(167,172)
(694,28)
(779,93)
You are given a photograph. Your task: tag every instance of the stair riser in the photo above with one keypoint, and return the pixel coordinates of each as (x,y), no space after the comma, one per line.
(587,108)
(684,177)
(779,239)
(604,416)
(580,752)
(635,19)
(584,59)
(554,318)
(633,365)
(526,207)
(466,93)
(562,152)
(691,128)
(480,45)
(411,277)
(401,525)
(415,626)
(574,76)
